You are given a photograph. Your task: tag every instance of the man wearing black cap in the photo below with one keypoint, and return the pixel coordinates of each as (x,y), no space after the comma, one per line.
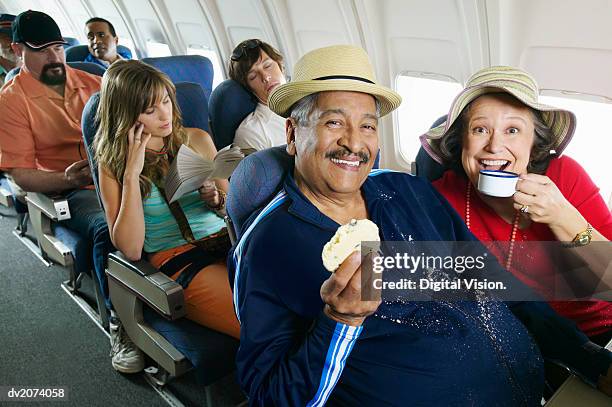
(41,145)
(8,59)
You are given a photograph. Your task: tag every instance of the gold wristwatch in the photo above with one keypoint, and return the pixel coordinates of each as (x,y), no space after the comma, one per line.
(582,238)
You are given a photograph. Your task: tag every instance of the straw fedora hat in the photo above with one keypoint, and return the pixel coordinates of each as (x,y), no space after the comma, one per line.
(339,67)
(517,83)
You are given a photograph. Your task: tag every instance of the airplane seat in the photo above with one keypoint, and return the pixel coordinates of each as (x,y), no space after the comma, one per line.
(229,104)
(56,242)
(88,67)
(186,68)
(193,104)
(254,182)
(78,53)
(426,166)
(71,42)
(151,304)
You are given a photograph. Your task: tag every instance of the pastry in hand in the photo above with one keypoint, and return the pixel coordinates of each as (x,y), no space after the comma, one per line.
(347,239)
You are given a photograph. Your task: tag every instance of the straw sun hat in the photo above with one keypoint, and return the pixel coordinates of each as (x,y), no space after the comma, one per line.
(339,67)
(510,80)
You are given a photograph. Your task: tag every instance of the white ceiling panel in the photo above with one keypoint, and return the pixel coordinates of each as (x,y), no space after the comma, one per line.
(244,19)
(434,36)
(555,39)
(427,59)
(238,34)
(319,23)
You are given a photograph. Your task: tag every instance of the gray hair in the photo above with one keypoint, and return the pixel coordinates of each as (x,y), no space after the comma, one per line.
(451,145)
(305,111)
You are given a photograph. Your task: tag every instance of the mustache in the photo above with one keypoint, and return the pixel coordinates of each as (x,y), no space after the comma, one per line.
(52,65)
(344,152)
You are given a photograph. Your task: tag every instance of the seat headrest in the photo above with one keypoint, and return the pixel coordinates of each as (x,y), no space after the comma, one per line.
(186,68)
(71,42)
(426,166)
(229,104)
(89,67)
(193,104)
(78,53)
(255,182)
(190,98)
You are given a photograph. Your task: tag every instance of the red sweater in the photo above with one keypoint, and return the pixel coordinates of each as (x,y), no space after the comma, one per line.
(593,317)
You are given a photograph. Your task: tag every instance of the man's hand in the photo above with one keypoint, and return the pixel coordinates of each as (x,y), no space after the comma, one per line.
(78,174)
(341,293)
(604,383)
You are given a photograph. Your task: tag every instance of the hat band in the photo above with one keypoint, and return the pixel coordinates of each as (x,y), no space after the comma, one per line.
(355,78)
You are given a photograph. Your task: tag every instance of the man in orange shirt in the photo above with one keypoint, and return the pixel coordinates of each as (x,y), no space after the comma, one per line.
(41,145)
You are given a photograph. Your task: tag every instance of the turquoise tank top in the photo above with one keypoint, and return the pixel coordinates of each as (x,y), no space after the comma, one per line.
(161,230)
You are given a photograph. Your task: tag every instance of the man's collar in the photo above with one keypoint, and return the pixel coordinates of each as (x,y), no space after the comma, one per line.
(73,80)
(302,208)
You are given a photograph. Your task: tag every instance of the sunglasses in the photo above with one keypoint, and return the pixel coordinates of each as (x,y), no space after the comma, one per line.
(242,49)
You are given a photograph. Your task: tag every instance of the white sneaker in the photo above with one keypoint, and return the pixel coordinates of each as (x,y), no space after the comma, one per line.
(126,357)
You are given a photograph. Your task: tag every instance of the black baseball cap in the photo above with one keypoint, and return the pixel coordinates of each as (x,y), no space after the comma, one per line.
(36,30)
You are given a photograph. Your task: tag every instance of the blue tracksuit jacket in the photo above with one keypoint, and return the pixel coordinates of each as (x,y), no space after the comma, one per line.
(291,354)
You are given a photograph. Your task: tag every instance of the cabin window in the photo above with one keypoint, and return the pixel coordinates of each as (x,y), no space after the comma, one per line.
(213,56)
(157,49)
(425,97)
(592,143)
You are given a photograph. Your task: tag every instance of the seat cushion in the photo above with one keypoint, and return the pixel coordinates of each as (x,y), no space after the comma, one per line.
(211,353)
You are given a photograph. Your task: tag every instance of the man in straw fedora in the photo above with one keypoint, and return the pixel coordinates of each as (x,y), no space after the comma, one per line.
(307,336)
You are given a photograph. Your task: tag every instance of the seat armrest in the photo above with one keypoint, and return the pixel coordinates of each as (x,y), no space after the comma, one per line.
(54,207)
(153,287)
(142,267)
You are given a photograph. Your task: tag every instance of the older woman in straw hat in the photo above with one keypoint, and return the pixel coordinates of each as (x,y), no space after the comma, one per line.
(308,337)
(496,123)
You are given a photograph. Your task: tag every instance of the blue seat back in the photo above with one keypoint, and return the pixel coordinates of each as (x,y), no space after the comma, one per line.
(190,99)
(193,104)
(89,67)
(254,182)
(78,53)
(186,68)
(89,127)
(71,42)
(94,69)
(426,166)
(229,104)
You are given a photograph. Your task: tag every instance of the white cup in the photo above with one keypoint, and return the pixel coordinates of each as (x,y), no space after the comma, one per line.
(497,183)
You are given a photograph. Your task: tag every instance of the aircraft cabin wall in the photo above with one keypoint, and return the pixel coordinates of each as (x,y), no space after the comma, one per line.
(426,50)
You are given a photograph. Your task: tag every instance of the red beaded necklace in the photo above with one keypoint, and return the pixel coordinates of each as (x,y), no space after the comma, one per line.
(514,224)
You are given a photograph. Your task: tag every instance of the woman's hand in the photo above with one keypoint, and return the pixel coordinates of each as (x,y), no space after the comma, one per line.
(137,141)
(210,194)
(538,198)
